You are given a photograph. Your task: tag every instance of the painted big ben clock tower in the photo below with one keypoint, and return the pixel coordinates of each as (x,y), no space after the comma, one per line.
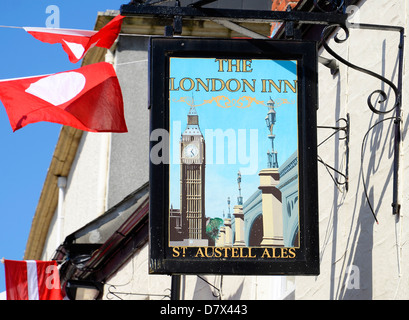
(192,182)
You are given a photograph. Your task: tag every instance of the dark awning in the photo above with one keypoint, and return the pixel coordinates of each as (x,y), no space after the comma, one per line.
(97,250)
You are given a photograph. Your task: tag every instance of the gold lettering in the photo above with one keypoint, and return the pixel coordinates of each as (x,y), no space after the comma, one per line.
(247,64)
(230,65)
(176,252)
(199,251)
(217,252)
(288,84)
(220,64)
(250,255)
(205,86)
(266,254)
(172,85)
(225,252)
(207,254)
(251,87)
(182,84)
(222,84)
(274,253)
(239,65)
(292,253)
(235,253)
(229,87)
(271,84)
(232,85)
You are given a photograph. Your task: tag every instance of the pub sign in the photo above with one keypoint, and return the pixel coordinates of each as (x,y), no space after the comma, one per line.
(233,157)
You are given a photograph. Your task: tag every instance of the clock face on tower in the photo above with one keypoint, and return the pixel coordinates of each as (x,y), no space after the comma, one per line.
(191,151)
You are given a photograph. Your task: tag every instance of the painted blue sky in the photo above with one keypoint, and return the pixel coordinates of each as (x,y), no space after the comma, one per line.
(240,115)
(27,153)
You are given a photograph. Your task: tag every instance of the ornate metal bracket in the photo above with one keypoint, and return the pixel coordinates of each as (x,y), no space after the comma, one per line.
(328,30)
(383,97)
(336,129)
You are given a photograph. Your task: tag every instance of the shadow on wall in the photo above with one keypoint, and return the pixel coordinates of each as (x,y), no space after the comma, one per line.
(206,289)
(352,274)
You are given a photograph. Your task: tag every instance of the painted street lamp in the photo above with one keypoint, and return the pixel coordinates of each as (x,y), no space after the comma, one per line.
(270,121)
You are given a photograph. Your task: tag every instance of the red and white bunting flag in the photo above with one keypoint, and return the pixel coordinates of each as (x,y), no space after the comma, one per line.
(77,42)
(88,98)
(32,280)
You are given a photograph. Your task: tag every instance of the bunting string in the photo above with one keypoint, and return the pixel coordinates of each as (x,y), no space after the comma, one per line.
(11,27)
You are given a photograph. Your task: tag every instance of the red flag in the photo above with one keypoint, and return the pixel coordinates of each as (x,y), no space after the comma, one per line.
(88,98)
(77,42)
(32,280)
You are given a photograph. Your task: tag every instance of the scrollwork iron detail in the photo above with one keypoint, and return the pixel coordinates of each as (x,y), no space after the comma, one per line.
(383,97)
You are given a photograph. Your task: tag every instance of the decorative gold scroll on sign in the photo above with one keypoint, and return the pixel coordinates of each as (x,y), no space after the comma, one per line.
(225,102)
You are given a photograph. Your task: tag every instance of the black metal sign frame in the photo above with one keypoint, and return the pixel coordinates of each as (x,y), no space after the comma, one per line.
(191,253)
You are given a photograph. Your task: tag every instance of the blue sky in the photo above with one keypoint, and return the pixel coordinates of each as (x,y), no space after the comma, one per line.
(27,153)
(221,173)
